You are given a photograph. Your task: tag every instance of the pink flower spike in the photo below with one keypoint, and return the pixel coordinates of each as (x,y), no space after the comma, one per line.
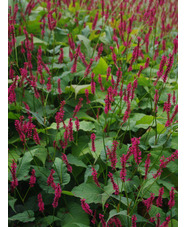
(166,223)
(59,86)
(101,217)
(148,202)
(86,207)
(14,182)
(32,179)
(93,84)
(100,82)
(87,94)
(147,164)
(134,219)
(134,149)
(36,136)
(115,186)
(40,202)
(69,167)
(78,107)
(50,180)
(123,169)
(171,202)
(61,56)
(93,137)
(159,201)
(57,196)
(77,124)
(94,174)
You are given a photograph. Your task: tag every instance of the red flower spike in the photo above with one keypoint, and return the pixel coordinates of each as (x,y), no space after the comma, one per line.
(86,207)
(32,179)
(40,202)
(94,174)
(93,137)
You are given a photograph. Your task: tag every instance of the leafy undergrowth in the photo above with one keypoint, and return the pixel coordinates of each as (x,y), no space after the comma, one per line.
(93,113)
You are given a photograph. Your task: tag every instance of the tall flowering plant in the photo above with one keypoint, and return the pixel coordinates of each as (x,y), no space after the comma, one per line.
(93,113)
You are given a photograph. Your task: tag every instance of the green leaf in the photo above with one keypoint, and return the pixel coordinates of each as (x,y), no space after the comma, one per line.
(39,41)
(40,153)
(48,220)
(89,191)
(86,126)
(174,141)
(26,216)
(75,161)
(12,155)
(75,225)
(13,116)
(173,223)
(24,166)
(160,141)
(61,34)
(123,200)
(42,176)
(154,210)
(147,119)
(83,116)
(86,43)
(73,214)
(78,89)
(114,213)
(99,145)
(101,67)
(88,172)
(11,202)
(61,171)
(19,39)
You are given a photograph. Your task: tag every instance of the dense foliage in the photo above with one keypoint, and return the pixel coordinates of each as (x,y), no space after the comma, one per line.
(93,113)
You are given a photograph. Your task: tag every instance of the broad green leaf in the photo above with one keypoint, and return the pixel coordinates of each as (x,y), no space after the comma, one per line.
(61,171)
(148,119)
(108,191)
(75,161)
(89,191)
(72,214)
(154,210)
(86,126)
(114,213)
(39,41)
(85,41)
(123,200)
(83,116)
(99,145)
(141,219)
(26,216)
(42,174)
(12,155)
(61,34)
(88,171)
(174,141)
(78,89)
(19,39)
(24,166)
(11,202)
(161,140)
(101,67)
(48,220)
(173,223)
(13,116)
(40,153)
(75,225)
